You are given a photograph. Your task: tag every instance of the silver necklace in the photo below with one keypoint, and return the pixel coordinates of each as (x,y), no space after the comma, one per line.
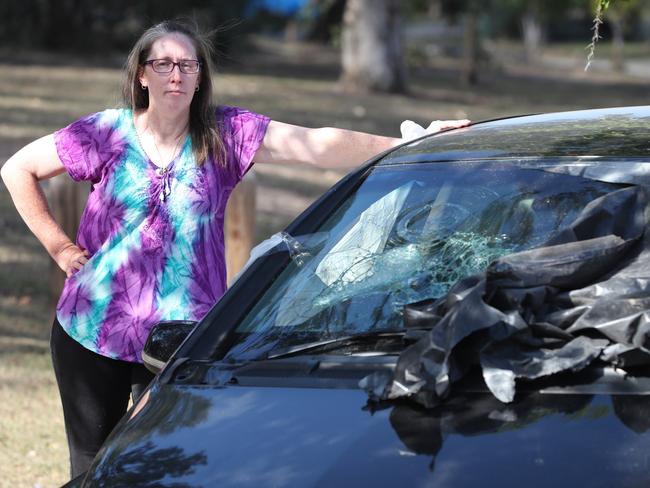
(163,168)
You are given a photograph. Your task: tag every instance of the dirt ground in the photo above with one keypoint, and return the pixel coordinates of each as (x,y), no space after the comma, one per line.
(294,83)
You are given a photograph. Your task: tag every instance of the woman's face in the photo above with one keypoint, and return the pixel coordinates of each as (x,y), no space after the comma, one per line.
(171,91)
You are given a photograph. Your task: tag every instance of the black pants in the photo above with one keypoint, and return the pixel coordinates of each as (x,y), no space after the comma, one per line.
(94,392)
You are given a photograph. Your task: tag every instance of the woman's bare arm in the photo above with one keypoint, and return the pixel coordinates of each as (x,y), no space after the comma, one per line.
(21,174)
(328,147)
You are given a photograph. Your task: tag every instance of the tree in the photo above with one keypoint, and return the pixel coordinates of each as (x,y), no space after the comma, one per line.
(532,30)
(531,19)
(471,12)
(471,44)
(371,48)
(82,26)
(618,16)
(322,18)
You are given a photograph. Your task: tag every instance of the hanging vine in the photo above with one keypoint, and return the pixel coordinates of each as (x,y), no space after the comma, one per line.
(601,7)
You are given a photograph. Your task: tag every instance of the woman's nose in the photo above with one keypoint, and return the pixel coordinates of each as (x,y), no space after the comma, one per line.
(176,73)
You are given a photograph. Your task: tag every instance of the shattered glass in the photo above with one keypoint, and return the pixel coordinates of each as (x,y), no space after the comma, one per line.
(579,299)
(408,234)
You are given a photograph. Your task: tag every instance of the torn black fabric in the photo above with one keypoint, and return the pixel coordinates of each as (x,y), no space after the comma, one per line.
(583,295)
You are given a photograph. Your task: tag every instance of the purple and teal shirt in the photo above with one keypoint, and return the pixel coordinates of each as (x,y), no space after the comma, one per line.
(155,238)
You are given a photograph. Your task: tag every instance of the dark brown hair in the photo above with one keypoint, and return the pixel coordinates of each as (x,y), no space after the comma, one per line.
(203,129)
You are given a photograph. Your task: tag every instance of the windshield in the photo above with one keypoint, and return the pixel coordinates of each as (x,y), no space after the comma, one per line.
(408,234)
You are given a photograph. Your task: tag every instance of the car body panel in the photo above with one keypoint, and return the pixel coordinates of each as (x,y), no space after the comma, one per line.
(598,133)
(261,436)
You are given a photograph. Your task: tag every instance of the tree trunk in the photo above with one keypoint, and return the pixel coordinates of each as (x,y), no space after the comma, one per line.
(240,225)
(616,24)
(532,33)
(330,15)
(67,200)
(371,49)
(471,48)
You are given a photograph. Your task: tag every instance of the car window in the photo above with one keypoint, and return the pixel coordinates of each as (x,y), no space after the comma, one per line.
(408,234)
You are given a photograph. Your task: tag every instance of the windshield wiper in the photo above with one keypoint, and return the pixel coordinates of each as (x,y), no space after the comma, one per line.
(338,342)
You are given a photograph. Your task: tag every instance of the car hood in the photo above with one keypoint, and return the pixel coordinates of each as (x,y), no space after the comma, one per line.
(276,436)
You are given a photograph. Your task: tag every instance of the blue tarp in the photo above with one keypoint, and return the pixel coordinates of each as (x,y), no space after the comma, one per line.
(281,7)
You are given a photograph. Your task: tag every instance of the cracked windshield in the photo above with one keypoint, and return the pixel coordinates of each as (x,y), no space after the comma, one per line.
(407,234)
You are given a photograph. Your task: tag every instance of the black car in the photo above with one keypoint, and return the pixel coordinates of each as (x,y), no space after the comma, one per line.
(469,309)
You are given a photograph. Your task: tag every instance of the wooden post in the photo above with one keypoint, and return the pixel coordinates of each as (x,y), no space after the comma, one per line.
(67,200)
(240,225)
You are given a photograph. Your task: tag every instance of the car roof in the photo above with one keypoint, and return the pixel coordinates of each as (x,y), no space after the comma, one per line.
(621,132)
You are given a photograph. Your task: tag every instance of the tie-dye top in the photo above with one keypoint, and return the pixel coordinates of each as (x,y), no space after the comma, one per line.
(155,238)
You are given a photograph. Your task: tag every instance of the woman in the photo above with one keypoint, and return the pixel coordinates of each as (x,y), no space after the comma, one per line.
(150,245)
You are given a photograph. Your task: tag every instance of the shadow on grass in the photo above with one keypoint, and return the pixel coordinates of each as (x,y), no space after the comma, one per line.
(25,316)
(19,279)
(23,345)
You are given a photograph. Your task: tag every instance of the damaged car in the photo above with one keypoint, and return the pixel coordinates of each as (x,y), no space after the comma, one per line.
(470,308)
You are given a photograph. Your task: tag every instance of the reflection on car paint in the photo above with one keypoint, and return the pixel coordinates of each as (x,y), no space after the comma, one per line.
(191,437)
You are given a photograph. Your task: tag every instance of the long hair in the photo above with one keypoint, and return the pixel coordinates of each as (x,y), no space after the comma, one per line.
(206,140)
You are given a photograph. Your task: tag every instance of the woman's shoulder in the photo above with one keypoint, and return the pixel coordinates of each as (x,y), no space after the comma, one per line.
(239,123)
(115,113)
(226,113)
(108,117)
(114,116)
(226,110)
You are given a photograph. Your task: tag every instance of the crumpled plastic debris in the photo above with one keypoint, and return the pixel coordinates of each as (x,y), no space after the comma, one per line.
(583,295)
(504,362)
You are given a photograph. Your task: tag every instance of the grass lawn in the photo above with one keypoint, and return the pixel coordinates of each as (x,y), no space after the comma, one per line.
(292,83)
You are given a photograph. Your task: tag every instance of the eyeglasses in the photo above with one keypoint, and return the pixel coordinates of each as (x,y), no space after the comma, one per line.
(187,66)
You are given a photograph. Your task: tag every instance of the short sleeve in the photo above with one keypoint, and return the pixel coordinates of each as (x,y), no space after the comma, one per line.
(87,145)
(242,132)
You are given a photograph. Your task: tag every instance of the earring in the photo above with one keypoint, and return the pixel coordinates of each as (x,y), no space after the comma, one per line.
(144,87)
(197,88)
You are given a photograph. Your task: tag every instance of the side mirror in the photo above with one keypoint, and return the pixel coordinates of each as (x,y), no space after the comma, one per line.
(163,340)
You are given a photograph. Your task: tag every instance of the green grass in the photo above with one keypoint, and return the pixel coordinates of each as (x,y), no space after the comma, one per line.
(32,440)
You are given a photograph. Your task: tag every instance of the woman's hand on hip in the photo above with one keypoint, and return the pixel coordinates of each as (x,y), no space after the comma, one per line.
(71,259)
